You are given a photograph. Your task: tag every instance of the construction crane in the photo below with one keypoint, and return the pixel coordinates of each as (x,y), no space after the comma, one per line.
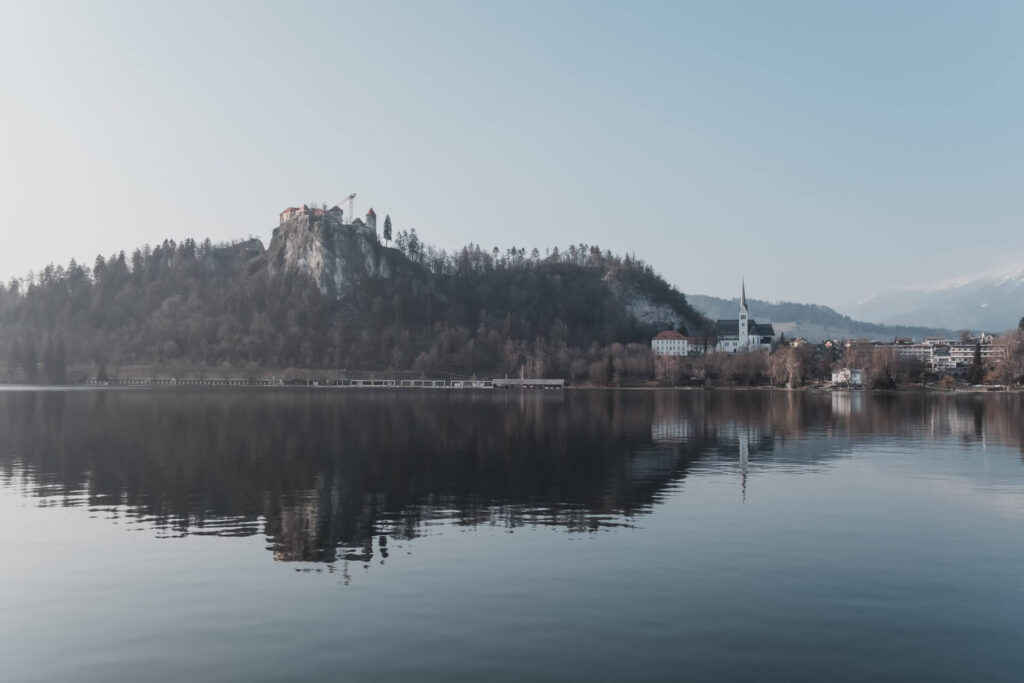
(351,213)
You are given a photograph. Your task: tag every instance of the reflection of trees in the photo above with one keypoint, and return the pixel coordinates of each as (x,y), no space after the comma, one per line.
(330,470)
(330,474)
(779,417)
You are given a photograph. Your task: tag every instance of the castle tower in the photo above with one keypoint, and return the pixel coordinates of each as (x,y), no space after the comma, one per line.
(371,219)
(744,328)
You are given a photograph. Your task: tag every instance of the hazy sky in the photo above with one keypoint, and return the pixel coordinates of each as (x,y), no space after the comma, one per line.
(824,150)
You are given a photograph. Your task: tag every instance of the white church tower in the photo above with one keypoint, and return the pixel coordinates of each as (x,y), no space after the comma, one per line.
(742,333)
(743,338)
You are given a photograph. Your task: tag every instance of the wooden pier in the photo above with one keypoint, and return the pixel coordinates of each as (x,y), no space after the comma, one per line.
(331,383)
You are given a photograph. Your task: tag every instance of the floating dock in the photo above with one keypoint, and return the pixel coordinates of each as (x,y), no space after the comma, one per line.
(334,383)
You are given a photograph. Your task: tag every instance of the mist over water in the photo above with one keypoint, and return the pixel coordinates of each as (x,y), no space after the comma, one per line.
(459,535)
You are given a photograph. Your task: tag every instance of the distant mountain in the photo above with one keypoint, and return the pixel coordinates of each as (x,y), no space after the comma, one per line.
(811,321)
(992,301)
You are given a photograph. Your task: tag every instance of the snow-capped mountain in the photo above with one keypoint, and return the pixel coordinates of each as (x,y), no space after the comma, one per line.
(992,301)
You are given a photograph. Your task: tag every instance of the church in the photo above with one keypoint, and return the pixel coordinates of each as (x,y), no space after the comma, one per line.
(744,333)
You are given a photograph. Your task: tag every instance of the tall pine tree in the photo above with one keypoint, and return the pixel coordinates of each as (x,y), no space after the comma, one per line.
(48,359)
(60,363)
(977,372)
(30,361)
(14,359)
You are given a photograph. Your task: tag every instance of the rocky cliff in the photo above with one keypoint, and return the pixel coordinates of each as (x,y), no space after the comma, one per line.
(334,254)
(641,306)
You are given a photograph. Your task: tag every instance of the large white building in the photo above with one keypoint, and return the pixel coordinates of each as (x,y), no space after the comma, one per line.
(937,353)
(744,333)
(670,343)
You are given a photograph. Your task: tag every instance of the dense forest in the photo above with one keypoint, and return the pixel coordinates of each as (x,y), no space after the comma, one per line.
(190,306)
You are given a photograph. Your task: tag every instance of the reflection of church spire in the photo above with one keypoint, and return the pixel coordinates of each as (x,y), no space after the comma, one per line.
(744,458)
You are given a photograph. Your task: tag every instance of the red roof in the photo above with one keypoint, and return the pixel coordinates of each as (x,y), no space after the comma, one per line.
(370,213)
(669,334)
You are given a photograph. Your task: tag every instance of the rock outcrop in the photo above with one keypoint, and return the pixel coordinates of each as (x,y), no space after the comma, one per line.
(334,254)
(642,306)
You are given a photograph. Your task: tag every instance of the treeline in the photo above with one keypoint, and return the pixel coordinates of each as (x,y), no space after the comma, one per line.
(190,304)
(174,303)
(474,258)
(23,359)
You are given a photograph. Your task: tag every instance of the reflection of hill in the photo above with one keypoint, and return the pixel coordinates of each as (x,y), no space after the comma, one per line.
(329,470)
(329,473)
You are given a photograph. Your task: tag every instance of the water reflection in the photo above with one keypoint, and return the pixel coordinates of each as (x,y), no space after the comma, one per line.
(331,476)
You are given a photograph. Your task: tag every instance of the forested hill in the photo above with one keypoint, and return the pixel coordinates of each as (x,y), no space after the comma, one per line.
(326,295)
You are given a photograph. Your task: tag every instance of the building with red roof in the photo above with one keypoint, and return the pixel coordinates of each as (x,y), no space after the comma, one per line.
(670,343)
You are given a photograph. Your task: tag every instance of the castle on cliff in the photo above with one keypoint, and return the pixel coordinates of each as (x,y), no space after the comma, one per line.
(335,212)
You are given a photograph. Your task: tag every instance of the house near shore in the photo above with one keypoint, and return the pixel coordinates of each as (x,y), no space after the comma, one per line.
(670,343)
(853,377)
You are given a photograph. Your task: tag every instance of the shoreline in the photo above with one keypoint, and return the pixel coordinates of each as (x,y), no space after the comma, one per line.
(21,386)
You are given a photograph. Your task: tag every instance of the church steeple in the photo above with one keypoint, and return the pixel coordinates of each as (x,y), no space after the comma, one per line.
(743,338)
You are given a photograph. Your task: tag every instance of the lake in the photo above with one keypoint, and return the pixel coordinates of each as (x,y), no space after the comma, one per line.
(269,535)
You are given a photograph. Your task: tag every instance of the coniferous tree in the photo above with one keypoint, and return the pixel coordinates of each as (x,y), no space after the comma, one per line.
(414,245)
(14,359)
(30,361)
(387,229)
(101,370)
(60,365)
(977,372)
(48,359)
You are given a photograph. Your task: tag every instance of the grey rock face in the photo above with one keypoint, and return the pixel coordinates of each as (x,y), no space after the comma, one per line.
(641,307)
(334,254)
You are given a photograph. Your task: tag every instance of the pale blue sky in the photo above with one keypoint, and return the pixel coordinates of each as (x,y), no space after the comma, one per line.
(823,150)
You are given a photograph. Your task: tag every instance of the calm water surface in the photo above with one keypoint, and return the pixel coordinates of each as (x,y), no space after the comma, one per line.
(460,536)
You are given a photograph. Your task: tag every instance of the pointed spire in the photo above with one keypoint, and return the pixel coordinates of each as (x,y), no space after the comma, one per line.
(743,293)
